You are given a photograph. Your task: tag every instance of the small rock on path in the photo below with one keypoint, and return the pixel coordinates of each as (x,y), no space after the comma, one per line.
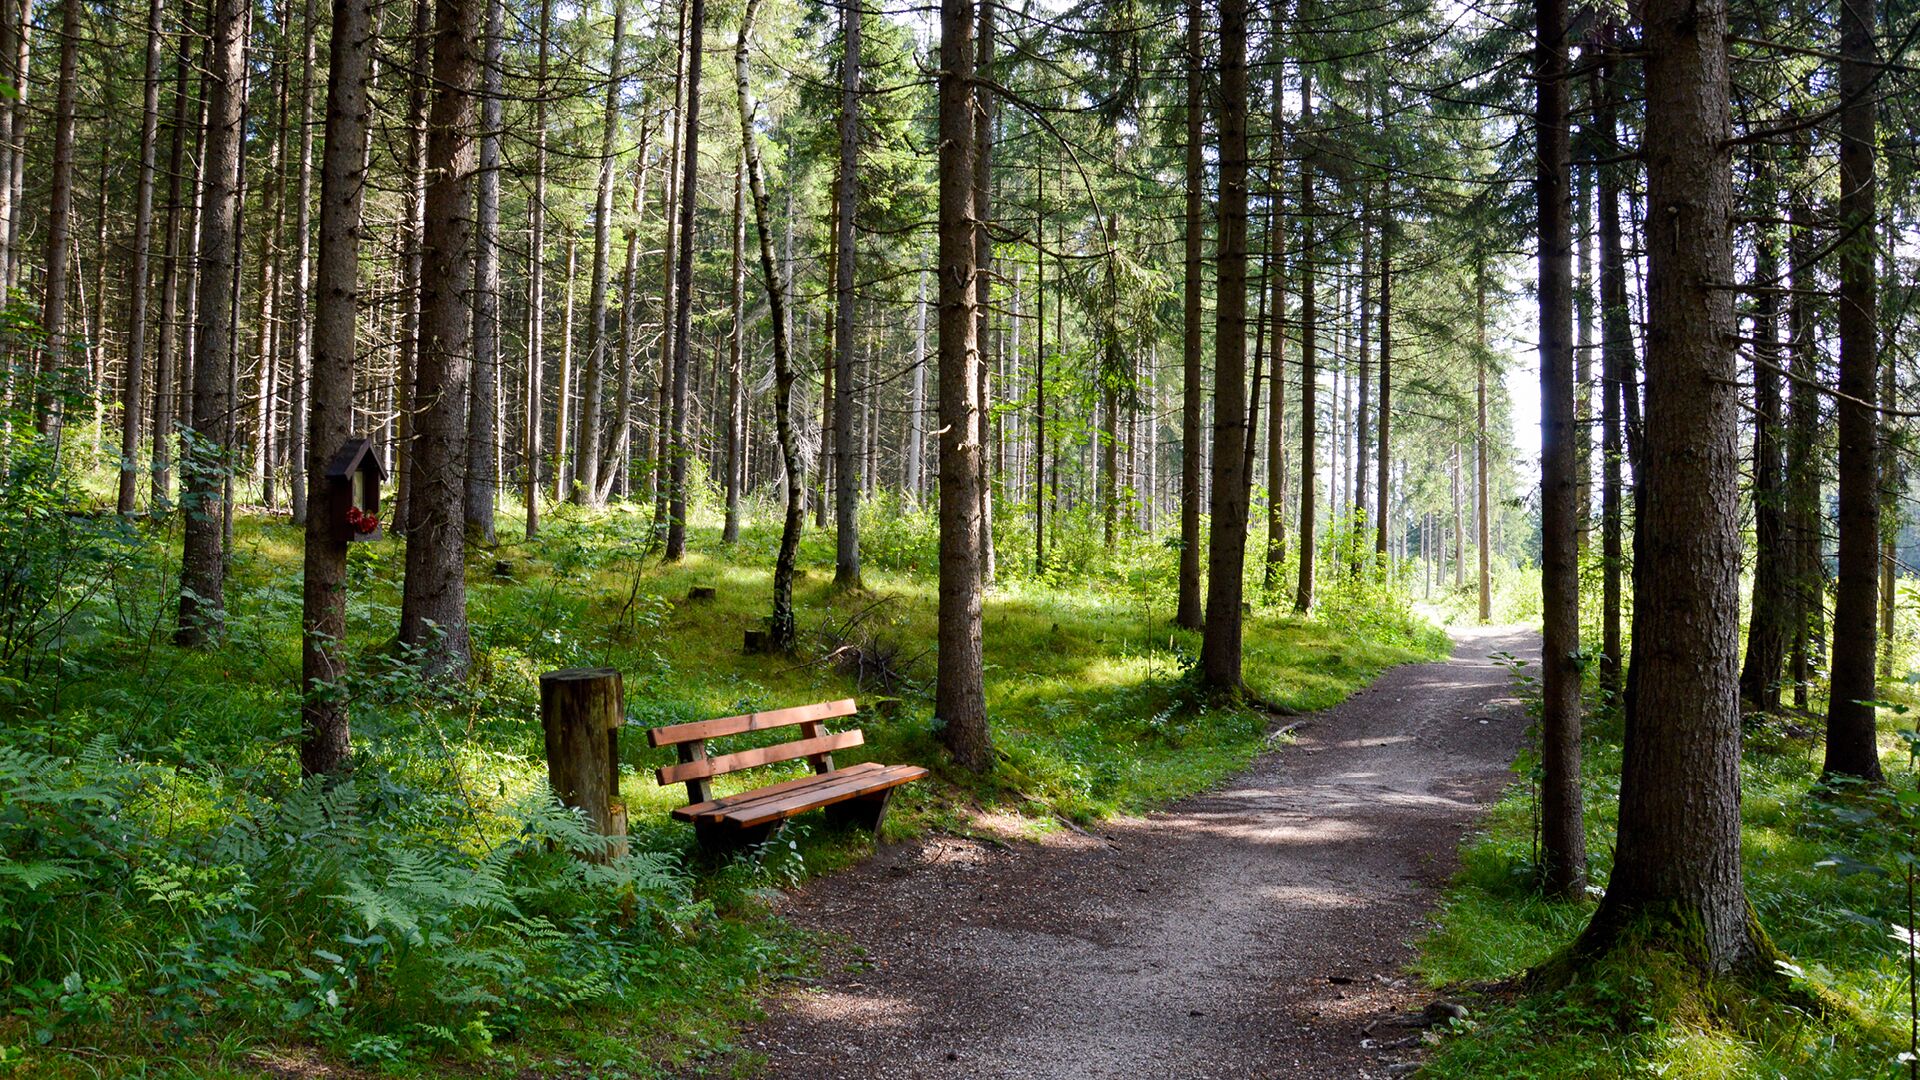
(1256,930)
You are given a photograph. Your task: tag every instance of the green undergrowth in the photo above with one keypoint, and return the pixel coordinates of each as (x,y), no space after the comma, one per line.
(175,901)
(1826,875)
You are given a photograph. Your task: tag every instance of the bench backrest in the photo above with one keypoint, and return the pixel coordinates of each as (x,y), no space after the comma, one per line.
(815,743)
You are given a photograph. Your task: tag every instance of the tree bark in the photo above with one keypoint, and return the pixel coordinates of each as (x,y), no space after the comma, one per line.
(846,196)
(536,279)
(1482,534)
(133,397)
(1189,612)
(959,696)
(326,740)
(1852,737)
(1803,522)
(1768,620)
(1220,645)
(983,277)
(730,532)
(205,461)
(1309,367)
(165,407)
(683,289)
(586,473)
(781,627)
(302,275)
(56,383)
(433,607)
(1676,879)
(1617,364)
(481,434)
(1563,835)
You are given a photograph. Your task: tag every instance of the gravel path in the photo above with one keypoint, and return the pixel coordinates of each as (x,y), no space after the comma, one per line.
(1257,930)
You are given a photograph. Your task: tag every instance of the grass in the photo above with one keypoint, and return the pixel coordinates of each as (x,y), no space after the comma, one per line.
(206,910)
(1825,872)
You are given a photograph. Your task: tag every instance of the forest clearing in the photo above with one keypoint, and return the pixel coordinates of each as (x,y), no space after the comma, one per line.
(1321,538)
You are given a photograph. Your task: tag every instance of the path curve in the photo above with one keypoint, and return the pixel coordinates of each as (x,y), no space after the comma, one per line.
(1256,930)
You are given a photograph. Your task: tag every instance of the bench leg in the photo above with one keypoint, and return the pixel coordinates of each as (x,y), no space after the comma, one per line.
(867,811)
(718,839)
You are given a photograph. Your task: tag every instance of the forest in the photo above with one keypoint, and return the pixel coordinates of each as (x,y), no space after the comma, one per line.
(1328,537)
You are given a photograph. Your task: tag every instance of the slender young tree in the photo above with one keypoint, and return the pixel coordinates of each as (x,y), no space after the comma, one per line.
(1852,735)
(433,606)
(205,458)
(959,695)
(1617,366)
(326,741)
(1676,878)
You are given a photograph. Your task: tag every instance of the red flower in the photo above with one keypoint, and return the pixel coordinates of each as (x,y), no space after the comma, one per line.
(362,521)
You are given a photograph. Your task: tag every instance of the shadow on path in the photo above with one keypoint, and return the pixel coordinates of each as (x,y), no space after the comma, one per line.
(1251,931)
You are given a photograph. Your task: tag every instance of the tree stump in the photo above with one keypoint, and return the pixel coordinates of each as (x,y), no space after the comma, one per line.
(580,711)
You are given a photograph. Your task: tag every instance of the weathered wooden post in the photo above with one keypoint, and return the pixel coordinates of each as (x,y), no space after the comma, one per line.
(580,711)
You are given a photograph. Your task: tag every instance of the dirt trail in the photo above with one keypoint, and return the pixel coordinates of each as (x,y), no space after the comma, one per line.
(1257,930)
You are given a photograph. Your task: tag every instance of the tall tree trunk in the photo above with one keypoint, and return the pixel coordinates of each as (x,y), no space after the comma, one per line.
(781,628)
(1189,612)
(1676,879)
(683,288)
(165,407)
(56,383)
(16,45)
(406,398)
(133,399)
(1309,363)
(1617,363)
(1768,622)
(1562,835)
(846,200)
(537,280)
(983,277)
(302,274)
(1482,534)
(586,480)
(205,460)
(670,255)
(1803,521)
(1276,549)
(273,214)
(433,607)
(1852,738)
(1227,540)
(736,341)
(1384,456)
(1040,380)
(481,432)
(326,741)
(959,697)
(916,448)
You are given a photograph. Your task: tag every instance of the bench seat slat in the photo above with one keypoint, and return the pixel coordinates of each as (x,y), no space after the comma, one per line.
(701,769)
(712,806)
(760,721)
(762,811)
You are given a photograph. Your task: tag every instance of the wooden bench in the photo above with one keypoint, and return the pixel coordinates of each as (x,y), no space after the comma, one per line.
(858,793)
